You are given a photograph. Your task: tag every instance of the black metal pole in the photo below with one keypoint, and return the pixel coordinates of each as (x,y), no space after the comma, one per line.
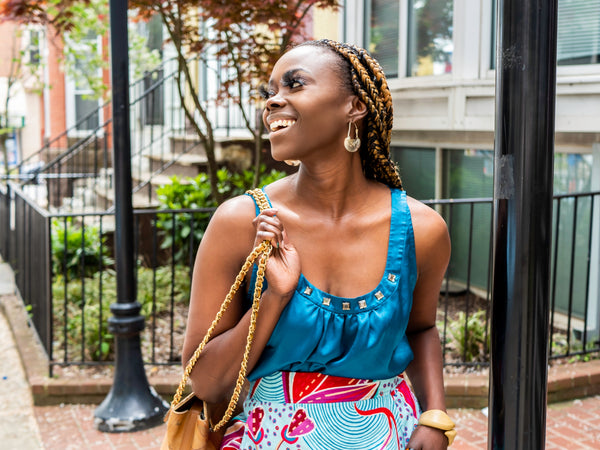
(131,404)
(523,175)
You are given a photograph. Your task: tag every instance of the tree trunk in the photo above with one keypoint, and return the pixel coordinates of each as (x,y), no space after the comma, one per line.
(258,144)
(3,138)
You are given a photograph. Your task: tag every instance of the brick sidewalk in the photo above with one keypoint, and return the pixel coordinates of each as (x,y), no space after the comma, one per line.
(573,425)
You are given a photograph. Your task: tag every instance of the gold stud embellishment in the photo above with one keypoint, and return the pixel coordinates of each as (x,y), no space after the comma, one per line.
(308,290)
(362,304)
(346,306)
(379,295)
(326,301)
(392,277)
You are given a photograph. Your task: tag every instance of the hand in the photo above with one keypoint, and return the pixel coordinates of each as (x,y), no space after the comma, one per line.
(283,267)
(427,438)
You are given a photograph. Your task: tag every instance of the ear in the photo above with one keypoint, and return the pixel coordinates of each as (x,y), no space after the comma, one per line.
(357,109)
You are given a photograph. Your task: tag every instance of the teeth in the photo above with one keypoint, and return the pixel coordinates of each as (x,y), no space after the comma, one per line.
(279,124)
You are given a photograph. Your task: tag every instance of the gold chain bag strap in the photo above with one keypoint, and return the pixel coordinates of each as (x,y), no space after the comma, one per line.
(188,420)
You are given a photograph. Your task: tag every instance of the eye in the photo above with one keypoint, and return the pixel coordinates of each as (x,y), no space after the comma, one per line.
(295,83)
(265,92)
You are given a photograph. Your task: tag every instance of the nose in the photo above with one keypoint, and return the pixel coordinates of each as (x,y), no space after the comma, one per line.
(276,101)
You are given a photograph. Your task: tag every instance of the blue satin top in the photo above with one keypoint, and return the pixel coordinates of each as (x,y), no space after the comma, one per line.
(362,337)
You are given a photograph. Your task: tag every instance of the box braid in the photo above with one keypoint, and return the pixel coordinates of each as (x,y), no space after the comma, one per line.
(366,79)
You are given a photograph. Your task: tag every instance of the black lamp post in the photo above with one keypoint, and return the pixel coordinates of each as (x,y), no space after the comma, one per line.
(523,171)
(131,404)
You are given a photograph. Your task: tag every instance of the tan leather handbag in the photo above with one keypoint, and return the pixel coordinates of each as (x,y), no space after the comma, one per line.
(189,425)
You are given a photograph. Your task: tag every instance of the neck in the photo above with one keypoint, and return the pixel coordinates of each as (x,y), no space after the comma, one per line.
(333,188)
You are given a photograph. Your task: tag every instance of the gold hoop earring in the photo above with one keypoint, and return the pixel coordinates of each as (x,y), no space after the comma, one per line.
(292,162)
(352,145)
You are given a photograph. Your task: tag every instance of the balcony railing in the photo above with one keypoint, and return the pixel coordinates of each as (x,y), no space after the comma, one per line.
(65,274)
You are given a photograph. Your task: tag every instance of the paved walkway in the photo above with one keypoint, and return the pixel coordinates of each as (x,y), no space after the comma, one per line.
(18,427)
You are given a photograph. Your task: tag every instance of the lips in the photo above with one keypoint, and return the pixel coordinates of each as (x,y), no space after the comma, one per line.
(281,124)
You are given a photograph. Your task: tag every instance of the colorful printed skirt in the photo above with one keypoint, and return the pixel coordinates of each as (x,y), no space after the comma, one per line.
(296,410)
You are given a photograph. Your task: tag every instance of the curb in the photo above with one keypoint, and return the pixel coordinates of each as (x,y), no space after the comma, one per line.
(565,381)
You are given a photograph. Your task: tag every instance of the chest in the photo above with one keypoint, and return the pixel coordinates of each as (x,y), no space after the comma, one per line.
(345,258)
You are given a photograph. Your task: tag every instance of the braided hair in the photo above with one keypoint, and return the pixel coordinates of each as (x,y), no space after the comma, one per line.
(363,75)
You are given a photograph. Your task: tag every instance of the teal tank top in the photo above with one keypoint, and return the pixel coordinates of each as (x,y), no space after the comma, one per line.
(362,337)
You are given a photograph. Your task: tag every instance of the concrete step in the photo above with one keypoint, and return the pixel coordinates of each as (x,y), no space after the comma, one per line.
(186,165)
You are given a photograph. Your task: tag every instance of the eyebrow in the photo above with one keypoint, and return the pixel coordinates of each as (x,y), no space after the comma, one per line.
(290,74)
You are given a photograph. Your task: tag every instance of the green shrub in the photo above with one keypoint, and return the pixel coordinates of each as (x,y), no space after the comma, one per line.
(76,249)
(193,193)
(469,338)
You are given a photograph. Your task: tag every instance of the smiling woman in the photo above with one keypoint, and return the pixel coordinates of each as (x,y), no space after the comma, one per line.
(347,316)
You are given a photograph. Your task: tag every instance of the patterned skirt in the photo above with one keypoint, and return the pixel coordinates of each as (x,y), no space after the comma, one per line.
(296,410)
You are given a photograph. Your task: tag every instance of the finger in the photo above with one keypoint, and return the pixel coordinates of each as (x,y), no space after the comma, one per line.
(285,242)
(271,212)
(268,232)
(270,223)
(273,221)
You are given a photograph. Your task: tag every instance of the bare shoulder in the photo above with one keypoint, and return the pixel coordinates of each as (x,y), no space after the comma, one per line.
(235,209)
(430,231)
(425,219)
(231,225)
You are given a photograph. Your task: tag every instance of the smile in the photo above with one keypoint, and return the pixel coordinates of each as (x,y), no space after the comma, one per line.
(277,125)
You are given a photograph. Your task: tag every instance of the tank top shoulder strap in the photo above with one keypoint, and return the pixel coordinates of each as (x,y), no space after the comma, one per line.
(401,244)
(257,209)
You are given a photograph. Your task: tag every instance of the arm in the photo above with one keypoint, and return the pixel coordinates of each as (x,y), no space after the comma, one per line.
(229,238)
(432,245)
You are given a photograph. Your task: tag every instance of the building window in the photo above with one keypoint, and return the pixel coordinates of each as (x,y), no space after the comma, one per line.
(384,33)
(572,173)
(86,106)
(494,36)
(34,47)
(83,104)
(430,45)
(417,170)
(578,35)
(469,174)
(578,32)
(153,110)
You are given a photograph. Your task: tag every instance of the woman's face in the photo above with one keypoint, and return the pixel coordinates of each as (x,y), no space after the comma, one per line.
(307,108)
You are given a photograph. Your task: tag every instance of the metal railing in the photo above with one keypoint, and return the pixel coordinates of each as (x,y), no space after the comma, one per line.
(464,306)
(65,273)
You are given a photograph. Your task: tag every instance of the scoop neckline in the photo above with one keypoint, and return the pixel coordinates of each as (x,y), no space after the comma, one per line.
(365,302)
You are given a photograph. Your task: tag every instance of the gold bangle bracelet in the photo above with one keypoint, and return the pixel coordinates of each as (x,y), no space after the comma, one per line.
(436,418)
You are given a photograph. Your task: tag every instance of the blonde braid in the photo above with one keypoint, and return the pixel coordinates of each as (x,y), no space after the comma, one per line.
(367,80)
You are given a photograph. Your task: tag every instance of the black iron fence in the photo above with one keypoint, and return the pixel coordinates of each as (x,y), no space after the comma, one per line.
(65,272)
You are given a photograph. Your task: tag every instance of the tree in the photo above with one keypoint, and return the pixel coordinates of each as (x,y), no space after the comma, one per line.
(248,36)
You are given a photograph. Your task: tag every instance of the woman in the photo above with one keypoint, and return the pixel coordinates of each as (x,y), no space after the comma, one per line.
(353,280)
